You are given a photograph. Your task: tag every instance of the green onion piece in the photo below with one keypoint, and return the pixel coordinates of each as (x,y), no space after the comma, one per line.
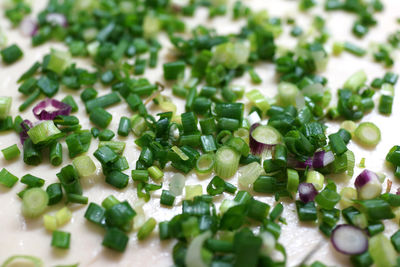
(11,152)
(77,198)
(276,212)
(88,94)
(61,239)
(32,181)
(205,163)
(376,209)
(292,180)
(31,98)
(138,125)
(327,199)
(382,251)
(192,191)
(32,155)
(7,179)
(50,222)
(95,214)
(56,156)
(226,162)
(315,178)
(362,259)
(124,126)
(58,61)
(34,202)
(216,186)
(69,100)
(117,179)
(84,165)
(54,193)
(22,260)
(258,210)
(368,134)
(105,155)
(395,239)
(167,198)
(100,117)
(106,135)
(354,49)
(248,174)
(5,106)
(69,179)
(109,202)
(28,86)
(63,216)
(102,102)
(146,229)
(257,99)
(348,195)
(356,81)
(172,70)
(44,132)
(140,175)
(306,212)
(117,146)
(155,173)
(11,54)
(337,144)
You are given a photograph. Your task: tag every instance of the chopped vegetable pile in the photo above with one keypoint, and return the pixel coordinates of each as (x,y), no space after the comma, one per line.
(248,146)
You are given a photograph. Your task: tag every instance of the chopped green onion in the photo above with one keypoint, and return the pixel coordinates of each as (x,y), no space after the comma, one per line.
(11,152)
(56,155)
(155,173)
(11,54)
(63,216)
(146,229)
(100,117)
(7,179)
(356,81)
(61,239)
(22,260)
(368,134)
(54,193)
(44,132)
(58,61)
(172,70)
(106,135)
(84,165)
(292,180)
(167,198)
(34,202)
(5,106)
(382,251)
(50,222)
(226,162)
(315,178)
(205,163)
(32,181)
(192,191)
(115,239)
(257,99)
(124,126)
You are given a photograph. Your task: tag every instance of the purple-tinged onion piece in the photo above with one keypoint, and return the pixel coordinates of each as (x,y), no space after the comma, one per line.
(349,239)
(307,192)
(57,19)
(263,137)
(49,108)
(368,185)
(29,27)
(25,125)
(322,159)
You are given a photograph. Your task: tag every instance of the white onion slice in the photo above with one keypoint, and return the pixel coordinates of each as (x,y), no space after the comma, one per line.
(349,239)
(193,255)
